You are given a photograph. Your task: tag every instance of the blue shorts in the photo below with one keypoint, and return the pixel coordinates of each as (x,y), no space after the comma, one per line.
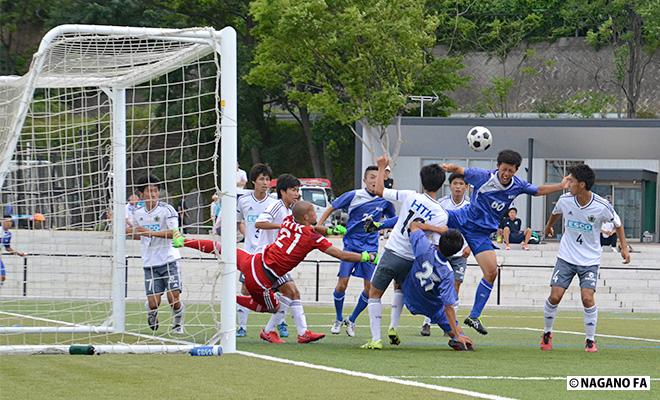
(364,270)
(3,272)
(476,237)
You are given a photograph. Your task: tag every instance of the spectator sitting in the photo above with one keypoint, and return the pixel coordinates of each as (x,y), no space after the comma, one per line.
(512,232)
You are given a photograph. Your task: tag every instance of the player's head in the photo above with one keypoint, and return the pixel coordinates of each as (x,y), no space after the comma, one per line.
(133,199)
(457,184)
(508,162)
(149,188)
(370,177)
(581,178)
(303,213)
(513,213)
(288,188)
(432,176)
(260,175)
(7,222)
(450,243)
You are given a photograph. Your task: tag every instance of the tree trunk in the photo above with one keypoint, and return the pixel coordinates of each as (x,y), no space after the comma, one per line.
(327,164)
(306,125)
(255,154)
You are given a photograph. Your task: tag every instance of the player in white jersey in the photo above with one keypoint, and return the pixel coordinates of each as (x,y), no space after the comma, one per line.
(583,214)
(454,201)
(397,259)
(155,225)
(248,209)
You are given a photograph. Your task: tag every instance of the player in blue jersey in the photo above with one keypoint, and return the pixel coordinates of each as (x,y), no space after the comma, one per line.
(361,205)
(429,286)
(493,193)
(6,242)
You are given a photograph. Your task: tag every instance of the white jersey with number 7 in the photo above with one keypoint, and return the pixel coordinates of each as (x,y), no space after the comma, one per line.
(414,207)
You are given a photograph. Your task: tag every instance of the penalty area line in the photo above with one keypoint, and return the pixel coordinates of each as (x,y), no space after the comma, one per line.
(516,328)
(375,377)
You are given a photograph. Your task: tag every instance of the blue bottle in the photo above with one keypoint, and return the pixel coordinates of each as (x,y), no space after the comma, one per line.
(206,351)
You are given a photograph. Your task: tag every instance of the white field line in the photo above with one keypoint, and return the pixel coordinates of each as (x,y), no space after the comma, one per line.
(513,316)
(375,377)
(479,377)
(577,333)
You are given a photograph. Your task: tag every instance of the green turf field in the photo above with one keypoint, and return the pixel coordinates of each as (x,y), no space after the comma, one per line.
(507,363)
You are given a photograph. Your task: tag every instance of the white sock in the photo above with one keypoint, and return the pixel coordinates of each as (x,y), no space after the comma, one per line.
(549,314)
(375,317)
(177,315)
(397,307)
(278,317)
(299,316)
(590,321)
(243,313)
(427,321)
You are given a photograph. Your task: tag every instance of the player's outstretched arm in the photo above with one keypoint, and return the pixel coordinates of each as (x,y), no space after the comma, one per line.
(382,163)
(11,250)
(453,168)
(372,226)
(545,190)
(549,231)
(325,216)
(625,253)
(267,225)
(349,255)
(416,225)
(456,331)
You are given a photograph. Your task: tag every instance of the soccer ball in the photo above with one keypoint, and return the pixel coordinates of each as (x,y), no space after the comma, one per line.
(479,138)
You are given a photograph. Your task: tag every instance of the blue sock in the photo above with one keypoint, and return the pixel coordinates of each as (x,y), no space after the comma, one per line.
(360,306)
(481,298)
(339,304)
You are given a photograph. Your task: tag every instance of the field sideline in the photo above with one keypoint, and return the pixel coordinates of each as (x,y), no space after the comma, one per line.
(507,363)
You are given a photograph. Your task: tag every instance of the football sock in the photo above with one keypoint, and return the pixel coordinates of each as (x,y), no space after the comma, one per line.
(427,321)
(549,314)
(590,321)
(298,316)
(278,317)
(360,306)
(481,298)
(375,317)
(243,315)
(397,307)
(339,304)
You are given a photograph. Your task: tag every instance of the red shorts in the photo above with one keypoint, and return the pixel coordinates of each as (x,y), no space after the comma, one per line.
(257,282)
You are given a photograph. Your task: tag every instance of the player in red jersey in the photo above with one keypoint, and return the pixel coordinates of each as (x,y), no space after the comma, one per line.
(297,238)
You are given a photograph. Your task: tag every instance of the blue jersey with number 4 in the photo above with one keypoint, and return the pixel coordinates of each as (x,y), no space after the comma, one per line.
(429,285)
(490,199)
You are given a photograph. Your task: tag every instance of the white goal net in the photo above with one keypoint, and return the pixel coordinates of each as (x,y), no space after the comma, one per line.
(101,108)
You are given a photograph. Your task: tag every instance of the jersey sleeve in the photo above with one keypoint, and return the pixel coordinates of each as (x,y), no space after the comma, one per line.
(265,217)
(343,201)
(609,215)
(239,212)
(559,207)
(528,188)
(320,241)
(172,218)
(447,291)
(476,176)
(389,223)
(397,195)
(421,245)
(6,240)
(389,211)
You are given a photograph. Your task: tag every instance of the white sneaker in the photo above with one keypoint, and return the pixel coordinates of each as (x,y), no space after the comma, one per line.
(336,327)
(178,330)
(350,328)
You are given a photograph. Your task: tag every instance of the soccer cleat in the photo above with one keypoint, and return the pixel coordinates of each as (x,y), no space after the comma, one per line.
(310,336)
(336,327)
(177,238)
(241,332)
(283,329)
(373,345)
(476,324)
(394,337)
(271,337)
(458,346)
(350,328)
(152,319)
(426,330)
(177,330)
(590,346)
(546,341)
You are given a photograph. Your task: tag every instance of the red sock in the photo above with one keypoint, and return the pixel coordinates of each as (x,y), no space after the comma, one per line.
(206,246)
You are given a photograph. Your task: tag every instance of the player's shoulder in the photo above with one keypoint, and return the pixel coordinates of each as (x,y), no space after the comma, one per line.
(601,202)
(566,197)
(275,207)
(166,207)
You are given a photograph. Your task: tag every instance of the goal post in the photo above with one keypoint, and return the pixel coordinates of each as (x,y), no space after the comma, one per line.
(100,107)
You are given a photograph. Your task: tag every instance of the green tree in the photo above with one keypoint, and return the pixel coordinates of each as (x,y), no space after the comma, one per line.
(350,61)
(17,18)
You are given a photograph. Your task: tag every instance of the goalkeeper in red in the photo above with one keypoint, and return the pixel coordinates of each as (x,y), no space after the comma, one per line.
(297,237)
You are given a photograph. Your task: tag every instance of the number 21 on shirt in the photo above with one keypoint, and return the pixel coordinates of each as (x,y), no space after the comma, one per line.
(285,233)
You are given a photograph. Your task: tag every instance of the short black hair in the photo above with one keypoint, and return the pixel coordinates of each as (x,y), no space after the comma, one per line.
(370,168)
(284,182)
(432,176)
(259,169)
(7,216)
(512,208)
(583,173)
(450,243)
(509,157)
(455,175)
(147,180)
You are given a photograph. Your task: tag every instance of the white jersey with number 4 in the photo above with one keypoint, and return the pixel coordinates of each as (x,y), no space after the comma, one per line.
(580,241)
(249,209)
(275,214)
(414,206)
(157,251)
